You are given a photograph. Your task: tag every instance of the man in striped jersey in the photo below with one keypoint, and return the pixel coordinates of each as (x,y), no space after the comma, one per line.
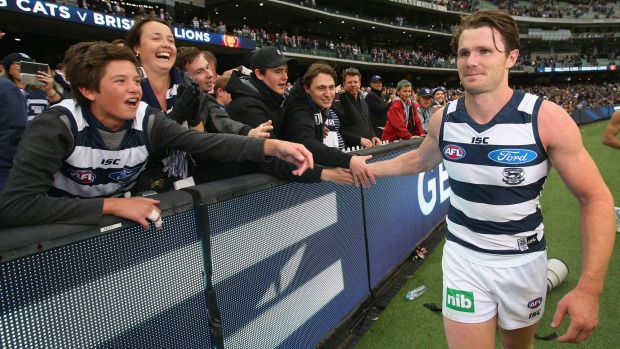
(498,145)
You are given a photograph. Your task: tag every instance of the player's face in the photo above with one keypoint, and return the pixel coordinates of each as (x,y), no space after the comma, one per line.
(275,78)
(352,84)
(482,67)
(156,49)
(119,94)
(322,90)
(199,70)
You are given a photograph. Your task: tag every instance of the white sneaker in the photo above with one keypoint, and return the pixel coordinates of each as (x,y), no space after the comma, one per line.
(617,219)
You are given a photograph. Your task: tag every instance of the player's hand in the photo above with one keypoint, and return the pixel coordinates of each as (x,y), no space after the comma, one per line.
(376,140)
(362,174)
(583,309)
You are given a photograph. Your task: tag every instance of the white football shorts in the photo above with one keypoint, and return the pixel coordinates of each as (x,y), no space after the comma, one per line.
(474,293)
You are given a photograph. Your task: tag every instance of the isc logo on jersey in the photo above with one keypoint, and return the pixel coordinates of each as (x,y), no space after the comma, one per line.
(460,300)
(454,152)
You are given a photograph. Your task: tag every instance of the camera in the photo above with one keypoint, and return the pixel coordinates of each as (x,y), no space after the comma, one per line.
(29,70)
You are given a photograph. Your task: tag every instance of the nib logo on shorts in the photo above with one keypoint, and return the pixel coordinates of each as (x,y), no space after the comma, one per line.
(460,300)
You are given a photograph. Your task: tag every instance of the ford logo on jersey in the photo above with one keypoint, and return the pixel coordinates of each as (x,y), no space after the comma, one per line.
(454,152)
(512,156)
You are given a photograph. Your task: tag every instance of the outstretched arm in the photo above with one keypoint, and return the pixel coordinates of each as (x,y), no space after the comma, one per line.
(567,154)
(612,130)
(292,152)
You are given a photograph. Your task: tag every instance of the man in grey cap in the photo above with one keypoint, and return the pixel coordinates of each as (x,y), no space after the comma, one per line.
(257,99)
(376,105)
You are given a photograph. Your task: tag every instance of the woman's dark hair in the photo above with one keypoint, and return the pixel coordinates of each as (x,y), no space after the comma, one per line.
(133,36)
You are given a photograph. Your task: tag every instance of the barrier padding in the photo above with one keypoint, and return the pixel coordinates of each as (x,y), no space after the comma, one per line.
(400,212)
(122,288)
(289,265)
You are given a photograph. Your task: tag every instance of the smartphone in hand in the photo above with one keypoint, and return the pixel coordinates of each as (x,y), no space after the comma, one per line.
(29,71)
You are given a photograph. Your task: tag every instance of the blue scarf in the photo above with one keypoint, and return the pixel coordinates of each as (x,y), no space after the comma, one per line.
(149,97)
(175,165)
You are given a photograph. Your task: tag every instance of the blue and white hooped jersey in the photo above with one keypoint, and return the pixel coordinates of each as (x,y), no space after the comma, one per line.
(497,172)
(92,169)
(36,102)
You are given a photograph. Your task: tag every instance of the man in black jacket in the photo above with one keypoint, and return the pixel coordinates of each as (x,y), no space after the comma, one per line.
(377,106)
(258,98)
(356,126)
(308,109)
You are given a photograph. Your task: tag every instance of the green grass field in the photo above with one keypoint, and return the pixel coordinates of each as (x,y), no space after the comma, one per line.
(408,324)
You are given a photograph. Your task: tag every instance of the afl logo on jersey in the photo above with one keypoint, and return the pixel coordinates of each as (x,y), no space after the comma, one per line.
(453,152)
(83,176)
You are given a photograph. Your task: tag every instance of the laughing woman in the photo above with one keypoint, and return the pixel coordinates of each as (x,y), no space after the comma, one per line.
(152,40)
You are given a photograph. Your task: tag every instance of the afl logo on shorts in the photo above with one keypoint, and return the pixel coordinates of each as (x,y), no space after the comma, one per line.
(453,152)
(535,303)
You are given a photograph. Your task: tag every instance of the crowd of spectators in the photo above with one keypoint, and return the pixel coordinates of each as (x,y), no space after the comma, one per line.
(573,96)
(600,9)
(570,60)
(537,8)
(570,96)
(348,49)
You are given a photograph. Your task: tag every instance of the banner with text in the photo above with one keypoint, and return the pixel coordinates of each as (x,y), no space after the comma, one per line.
(574,69)
(83,16)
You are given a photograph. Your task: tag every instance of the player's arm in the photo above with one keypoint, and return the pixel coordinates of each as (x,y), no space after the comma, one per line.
(423,159)
(612,130)
(562,140)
